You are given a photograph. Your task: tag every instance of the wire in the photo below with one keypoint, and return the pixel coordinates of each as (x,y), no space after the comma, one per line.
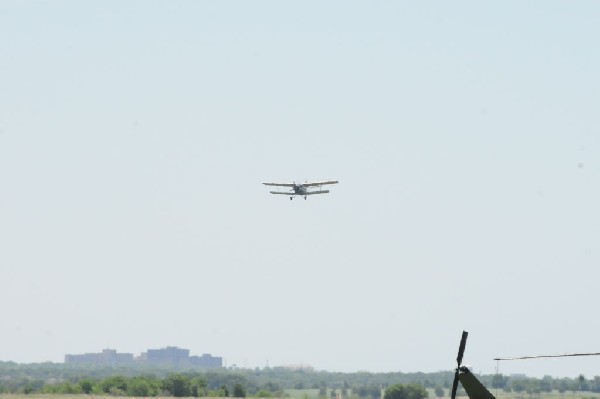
(547,356)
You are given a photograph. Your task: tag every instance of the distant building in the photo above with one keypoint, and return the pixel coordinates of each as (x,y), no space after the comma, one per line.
(169,356)
(108,357)
(172,355)
(207,361)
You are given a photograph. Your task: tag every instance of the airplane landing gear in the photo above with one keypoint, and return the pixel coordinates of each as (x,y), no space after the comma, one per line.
(291,198)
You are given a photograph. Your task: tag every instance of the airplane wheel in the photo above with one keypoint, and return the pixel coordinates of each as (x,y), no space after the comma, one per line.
(291,198)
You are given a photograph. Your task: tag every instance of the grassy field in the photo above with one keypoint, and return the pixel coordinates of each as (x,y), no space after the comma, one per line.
(499,394)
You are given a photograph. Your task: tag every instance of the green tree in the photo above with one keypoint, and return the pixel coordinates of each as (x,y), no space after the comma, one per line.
(518,385)
(595,384)
(439,392)
(583,385)
(409,391)
(563,386)
(239,391)
(532,386)
(272,386)
(546,384)
(27,389)
(198,386)
(178,385)
(139,386)
(86,386)
(372,390)
(499,381)
(115,385)
(416,391)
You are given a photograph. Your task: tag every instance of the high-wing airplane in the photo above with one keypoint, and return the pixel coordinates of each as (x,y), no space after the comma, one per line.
(302,189)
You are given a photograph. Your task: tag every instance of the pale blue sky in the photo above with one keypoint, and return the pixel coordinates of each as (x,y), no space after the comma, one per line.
(134,137)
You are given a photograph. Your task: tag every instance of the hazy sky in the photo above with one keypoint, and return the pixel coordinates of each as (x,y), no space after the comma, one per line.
(134,138)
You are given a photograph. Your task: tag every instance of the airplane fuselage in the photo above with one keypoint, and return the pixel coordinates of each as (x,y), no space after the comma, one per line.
(300,190)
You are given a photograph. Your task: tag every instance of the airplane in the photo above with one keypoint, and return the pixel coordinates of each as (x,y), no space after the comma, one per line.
(301,189)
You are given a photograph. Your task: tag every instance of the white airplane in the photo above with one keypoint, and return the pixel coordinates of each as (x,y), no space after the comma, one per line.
(301,189)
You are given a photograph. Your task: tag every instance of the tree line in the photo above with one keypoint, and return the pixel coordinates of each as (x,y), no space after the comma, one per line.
(545,384)
(266,382)
(189,385)
(173,385)
(64,378)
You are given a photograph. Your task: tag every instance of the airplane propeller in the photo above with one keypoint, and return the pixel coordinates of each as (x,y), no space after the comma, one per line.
(461,351)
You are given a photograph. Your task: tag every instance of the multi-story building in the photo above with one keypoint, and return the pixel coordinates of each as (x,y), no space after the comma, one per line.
(207,360)
(108,357)
(169,356)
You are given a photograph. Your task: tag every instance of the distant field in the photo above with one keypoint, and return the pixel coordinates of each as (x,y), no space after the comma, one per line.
(313,394)
(302,393)
(553,395)
(499,394)
(62,396)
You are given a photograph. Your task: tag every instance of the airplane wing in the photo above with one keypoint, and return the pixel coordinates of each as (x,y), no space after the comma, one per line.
(279,184)
(320,183)
(474,388)
(317,192)
(283,192)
